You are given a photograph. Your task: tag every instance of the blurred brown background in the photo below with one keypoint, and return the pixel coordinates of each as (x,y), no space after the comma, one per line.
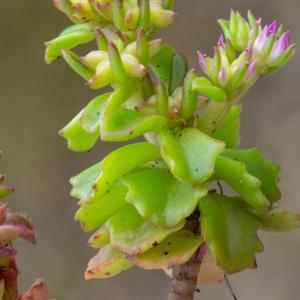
(37,100)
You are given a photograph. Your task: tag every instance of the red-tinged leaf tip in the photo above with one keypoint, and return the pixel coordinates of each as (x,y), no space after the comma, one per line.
(38,291)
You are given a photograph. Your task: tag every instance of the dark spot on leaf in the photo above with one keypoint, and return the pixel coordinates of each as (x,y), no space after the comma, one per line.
(197,290)
(196,169)
(107,274)
(166,253)
(154,244)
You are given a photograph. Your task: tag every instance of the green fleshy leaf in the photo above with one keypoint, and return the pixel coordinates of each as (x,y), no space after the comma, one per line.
(176,249)
(178,72)
(190,154)
(126,124)
(123,160)
(83,182)
(235,173)
(75,28)
(99,209)
(99,238)
(78,139)
(132,234)
(90,119)
(77,64)
(161,64)
(229,131)
(161,198)
(230,231)
(67,41)
(204,86)
(107,263)
(279,220)
(266,171)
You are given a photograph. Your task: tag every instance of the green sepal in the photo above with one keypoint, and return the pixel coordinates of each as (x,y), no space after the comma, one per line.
(99,209)
(142,47)
(162,101)
(67,40)
(235,173)
(144,21)
(132,234)
(176,249)
(179,68)
(280,220)
(161,198)
(189,97)
(161,64)
(190,154)
(205,87)
(229,131)
(107,263)
(77,64)
(77,138)
(116,63)
(90,119)
(231,232)
(118,14)
(266,171)
(101,40)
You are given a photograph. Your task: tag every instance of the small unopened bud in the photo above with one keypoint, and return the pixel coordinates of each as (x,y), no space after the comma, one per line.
(94,58)
(251,70)
(103,77)
(161,18)
(133,67)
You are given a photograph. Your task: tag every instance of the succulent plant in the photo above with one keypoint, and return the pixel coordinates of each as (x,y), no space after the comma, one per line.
(153,204)
(12,227)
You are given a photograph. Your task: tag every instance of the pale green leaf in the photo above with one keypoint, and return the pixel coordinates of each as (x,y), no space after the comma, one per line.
(99,209)
(132,234)
(107,263)
(160,197)
(280,220)
(235,173)
(176,249)
(266,171)
(231,232)
(190,154)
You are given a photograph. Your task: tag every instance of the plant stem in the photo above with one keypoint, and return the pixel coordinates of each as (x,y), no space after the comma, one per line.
(185,276)
(185,279)
(214,116)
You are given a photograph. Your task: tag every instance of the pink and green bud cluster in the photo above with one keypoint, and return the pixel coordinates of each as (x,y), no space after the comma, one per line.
(270,45)
(246,52)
